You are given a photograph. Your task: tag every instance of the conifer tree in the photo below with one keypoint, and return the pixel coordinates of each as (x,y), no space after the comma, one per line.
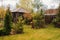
(7,22)
(19,27)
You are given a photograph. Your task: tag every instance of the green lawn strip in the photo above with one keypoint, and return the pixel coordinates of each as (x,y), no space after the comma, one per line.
(49,33)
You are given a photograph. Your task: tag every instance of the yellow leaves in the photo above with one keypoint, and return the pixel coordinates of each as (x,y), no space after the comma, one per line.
(2,13)
(26,4)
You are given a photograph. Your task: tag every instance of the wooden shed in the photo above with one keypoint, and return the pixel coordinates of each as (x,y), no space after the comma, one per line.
(50,14)
(19,12)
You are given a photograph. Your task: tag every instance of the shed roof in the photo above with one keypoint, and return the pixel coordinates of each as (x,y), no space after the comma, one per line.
(51,12)
(21,10)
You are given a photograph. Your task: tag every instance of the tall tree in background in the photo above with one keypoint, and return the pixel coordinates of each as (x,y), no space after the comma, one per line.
(2,12)
(26,4)
(31,4)
(7,22)
(17,5)
(37,5)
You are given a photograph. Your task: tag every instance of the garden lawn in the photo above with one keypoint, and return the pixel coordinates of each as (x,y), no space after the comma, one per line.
(49,33)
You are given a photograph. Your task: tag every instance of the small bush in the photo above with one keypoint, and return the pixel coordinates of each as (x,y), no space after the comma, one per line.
(39,20)
(38,23)
(2,33)
(27,21)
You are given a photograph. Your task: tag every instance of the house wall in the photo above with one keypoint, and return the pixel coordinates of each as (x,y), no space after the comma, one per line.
(15,16)
(50,14)
(49,18)
(27,16)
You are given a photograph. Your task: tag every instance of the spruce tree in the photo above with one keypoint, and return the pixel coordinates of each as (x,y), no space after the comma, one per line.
(7,22)
(19,28)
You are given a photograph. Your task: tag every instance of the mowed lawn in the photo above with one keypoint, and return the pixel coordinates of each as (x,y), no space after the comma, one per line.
(49,33)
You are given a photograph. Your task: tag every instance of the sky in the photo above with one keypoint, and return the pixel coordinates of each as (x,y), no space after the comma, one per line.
(51,3)
(12,3)
(48,3)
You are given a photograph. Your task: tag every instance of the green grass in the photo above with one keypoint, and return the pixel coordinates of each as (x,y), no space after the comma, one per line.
(49,33)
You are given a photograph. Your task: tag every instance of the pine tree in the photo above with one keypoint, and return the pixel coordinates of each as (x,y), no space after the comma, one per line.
(19,28)
(7,22)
